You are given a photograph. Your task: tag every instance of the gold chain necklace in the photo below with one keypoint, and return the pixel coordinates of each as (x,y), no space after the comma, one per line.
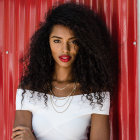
(61,88)
(67,96)
(61,106)
(63,110)
(54,102)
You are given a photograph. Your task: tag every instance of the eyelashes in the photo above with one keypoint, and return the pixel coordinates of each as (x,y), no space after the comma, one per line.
(58,41)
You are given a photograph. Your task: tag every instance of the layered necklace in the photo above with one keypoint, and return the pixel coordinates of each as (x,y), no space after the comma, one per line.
(55,99)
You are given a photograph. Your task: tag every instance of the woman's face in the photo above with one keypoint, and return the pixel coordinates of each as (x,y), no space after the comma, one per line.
(63,46)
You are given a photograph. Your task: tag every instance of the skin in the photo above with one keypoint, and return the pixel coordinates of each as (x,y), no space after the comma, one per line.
(22,129)
(100,127)
(61,42)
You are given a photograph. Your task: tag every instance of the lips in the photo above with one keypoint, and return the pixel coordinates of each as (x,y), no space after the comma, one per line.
(65,58)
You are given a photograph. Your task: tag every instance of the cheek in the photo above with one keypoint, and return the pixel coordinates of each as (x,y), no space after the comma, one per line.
(53,48)
(54,52)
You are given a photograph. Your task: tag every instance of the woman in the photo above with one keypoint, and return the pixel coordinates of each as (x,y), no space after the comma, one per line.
(69,76)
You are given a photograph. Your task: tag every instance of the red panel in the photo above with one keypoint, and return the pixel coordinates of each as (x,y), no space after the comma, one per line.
(20,18)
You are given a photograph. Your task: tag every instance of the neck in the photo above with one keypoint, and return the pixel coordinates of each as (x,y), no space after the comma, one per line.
(62,74)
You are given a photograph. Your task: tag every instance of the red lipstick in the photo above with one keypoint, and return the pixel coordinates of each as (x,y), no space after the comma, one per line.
(64,58)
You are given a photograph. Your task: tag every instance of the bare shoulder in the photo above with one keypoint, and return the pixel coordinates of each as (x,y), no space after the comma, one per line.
(100,127)
(23,118)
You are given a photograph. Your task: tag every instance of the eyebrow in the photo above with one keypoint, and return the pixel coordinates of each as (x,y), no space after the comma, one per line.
(60,37)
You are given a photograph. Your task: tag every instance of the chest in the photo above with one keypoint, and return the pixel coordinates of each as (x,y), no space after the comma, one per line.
(70,125)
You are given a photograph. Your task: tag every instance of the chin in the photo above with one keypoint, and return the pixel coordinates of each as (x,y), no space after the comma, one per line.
(65,65)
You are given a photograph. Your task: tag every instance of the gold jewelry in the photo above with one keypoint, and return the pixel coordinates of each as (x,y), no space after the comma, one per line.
(67,100)
(61,88)
(65,96)
(63,105)
(63,110)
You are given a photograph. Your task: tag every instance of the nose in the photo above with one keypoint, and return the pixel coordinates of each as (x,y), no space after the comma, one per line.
(66,47)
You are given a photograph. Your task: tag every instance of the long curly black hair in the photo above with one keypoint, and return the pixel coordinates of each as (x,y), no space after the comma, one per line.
(96,64)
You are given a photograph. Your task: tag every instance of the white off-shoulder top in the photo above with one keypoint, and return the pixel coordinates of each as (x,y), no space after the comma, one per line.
(72,124)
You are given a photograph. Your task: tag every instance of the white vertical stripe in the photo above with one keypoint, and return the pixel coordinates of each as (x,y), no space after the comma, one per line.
(138,8)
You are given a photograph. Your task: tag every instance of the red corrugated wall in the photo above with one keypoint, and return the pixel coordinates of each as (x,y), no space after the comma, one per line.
(20,18)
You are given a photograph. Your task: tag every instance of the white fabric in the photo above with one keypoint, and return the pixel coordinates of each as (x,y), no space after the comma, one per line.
(72,124)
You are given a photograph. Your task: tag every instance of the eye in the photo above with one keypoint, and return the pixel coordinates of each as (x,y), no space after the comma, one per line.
(74,41)
(56,41)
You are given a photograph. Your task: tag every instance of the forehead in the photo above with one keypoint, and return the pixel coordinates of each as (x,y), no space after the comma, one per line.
(61,30)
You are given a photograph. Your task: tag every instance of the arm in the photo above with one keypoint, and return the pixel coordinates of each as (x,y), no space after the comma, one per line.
(23,118)
(100,127)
